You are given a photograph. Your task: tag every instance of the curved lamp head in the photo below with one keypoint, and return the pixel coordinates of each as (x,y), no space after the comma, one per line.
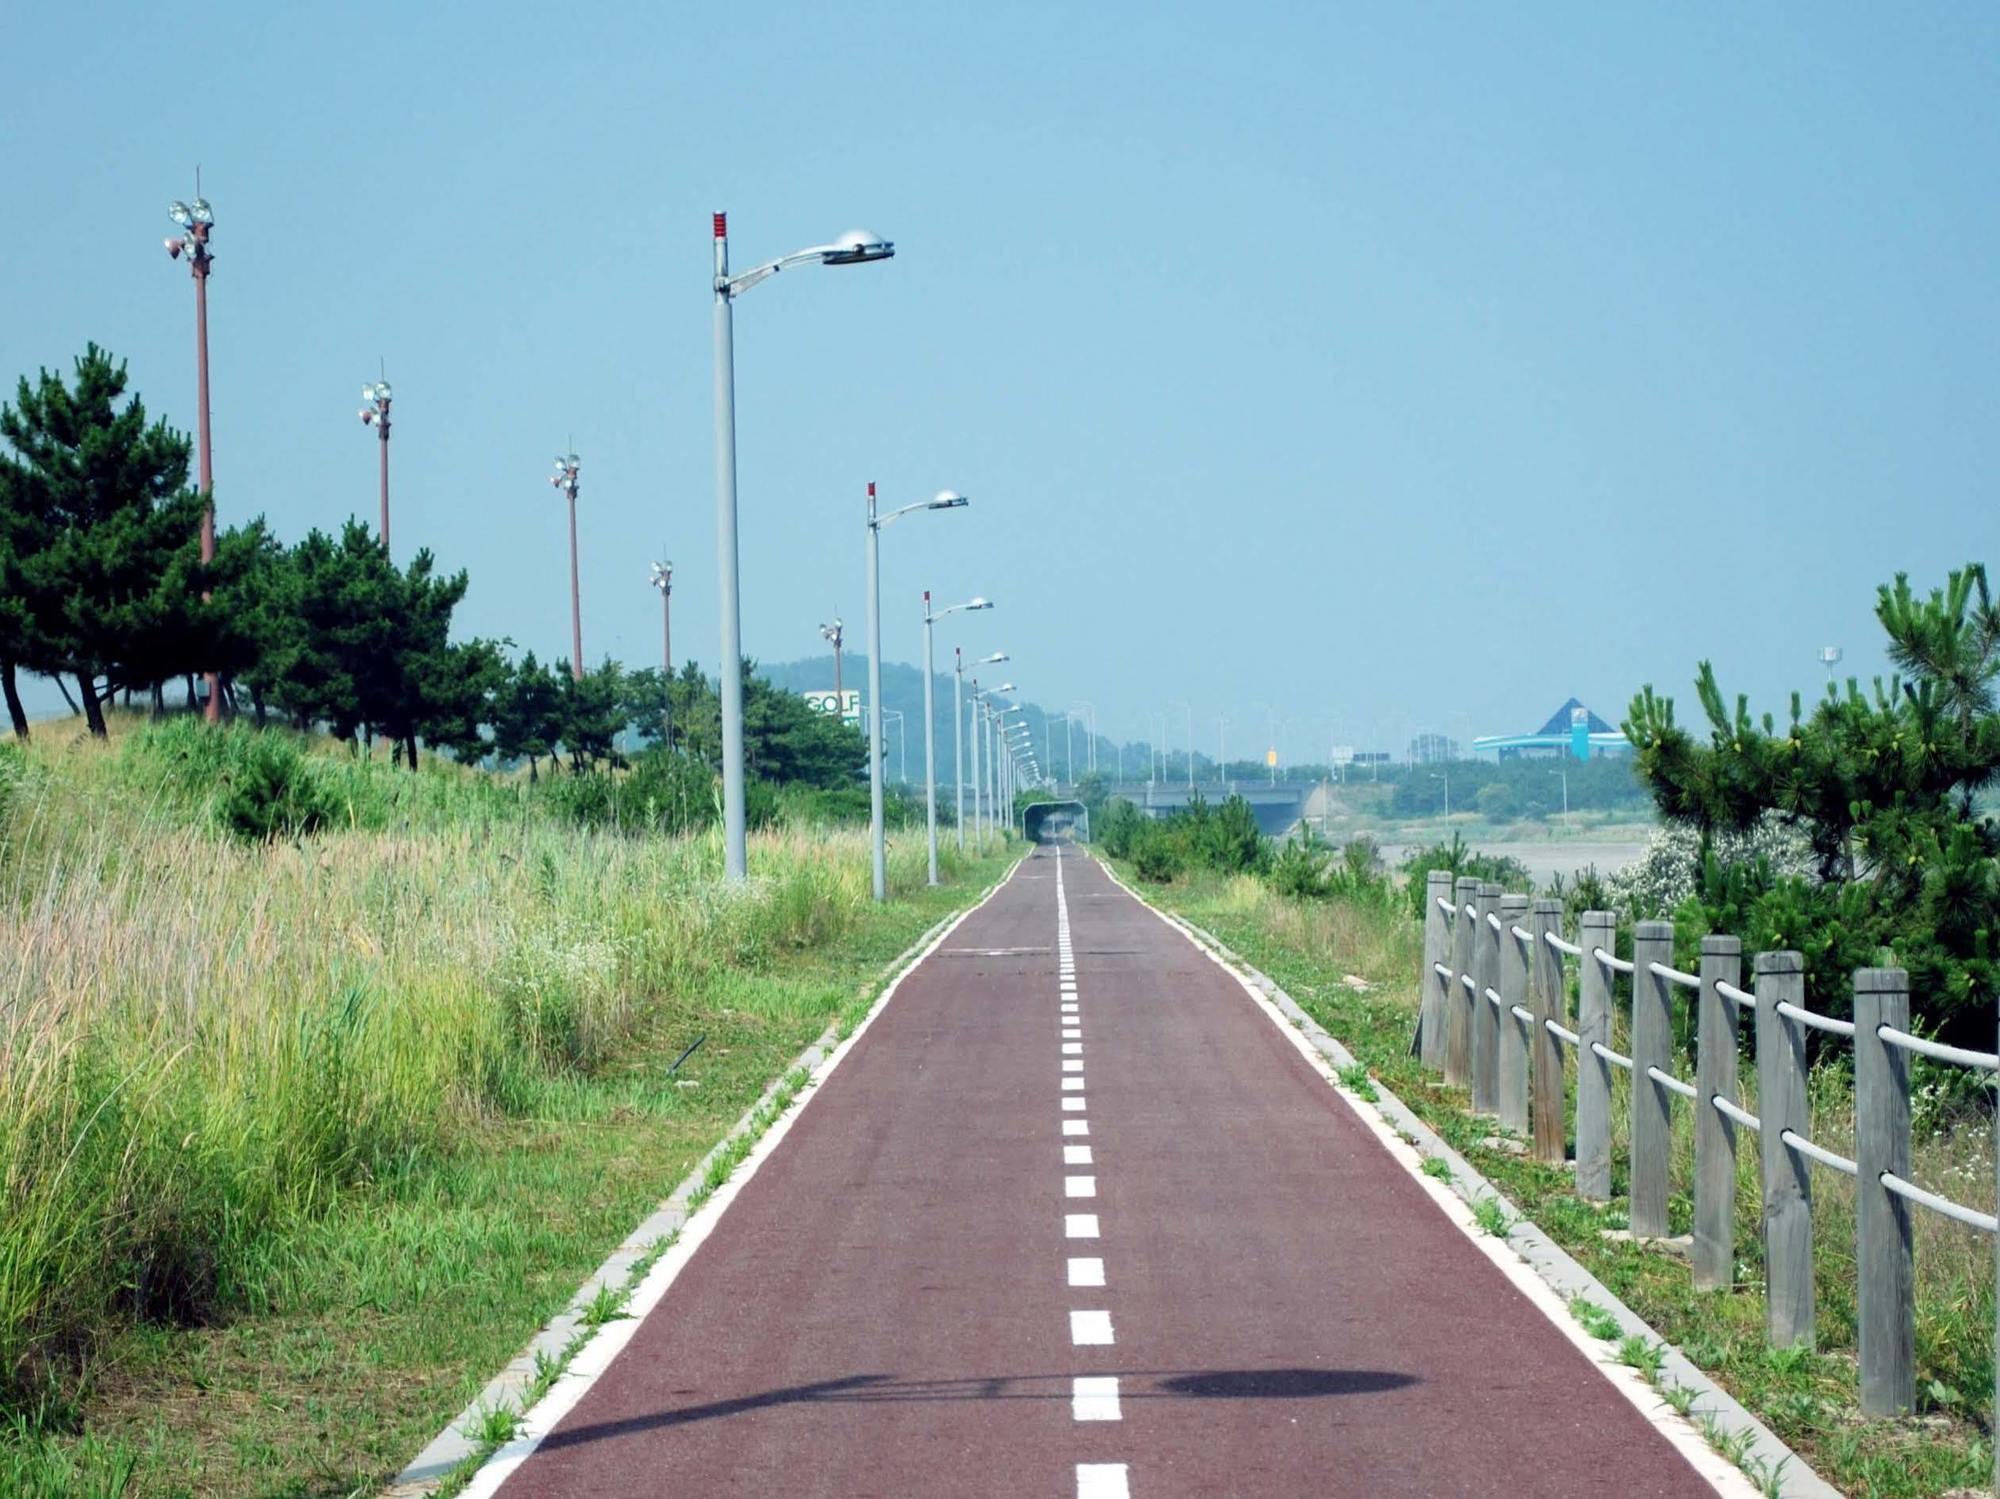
(857,247)
(948,499)
(989,660)
(979,603)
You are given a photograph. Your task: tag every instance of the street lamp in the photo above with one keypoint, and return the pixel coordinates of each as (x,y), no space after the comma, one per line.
(1189,711)
(930,721)
(944,499)
(197,220)
(663,579)
(564,479)
(375,413)
(958,731)
(1090,729)
(981,713)
(853,248)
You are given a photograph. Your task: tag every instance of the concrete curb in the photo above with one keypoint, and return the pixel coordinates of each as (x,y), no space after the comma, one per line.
(451,1446)
(1549,1260)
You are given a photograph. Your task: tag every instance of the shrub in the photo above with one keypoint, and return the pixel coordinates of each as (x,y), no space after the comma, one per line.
(1458,858)
(272,791)
(1300,869)
(1156,854)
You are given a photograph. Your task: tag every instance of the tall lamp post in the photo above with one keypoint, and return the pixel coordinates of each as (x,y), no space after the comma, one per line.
(564,479)
(981,756)
(930,722)
(1090,729)
(853,248)
(376,414)
(663,579)
(958,730)
(197,221)
(944,499)
(1188,710)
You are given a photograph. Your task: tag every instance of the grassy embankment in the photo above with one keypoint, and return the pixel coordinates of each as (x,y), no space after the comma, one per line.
(301,1141)
(1311,948)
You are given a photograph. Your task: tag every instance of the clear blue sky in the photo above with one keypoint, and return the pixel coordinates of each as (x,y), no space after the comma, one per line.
(1401,366)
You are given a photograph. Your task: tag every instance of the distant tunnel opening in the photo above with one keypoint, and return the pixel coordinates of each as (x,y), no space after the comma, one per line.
(1052,822)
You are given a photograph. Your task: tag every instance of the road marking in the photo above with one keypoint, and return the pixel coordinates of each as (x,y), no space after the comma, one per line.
(1069,1009)
(1075,1126)
(1086,1272)
(1090,1329)
(1072,1083)
(1079,1225)
(1076,1155)
(1101,1481)
(1079,1186)
(1094,1397)
(1073,1064)
(1072,1048)
(1073,1105)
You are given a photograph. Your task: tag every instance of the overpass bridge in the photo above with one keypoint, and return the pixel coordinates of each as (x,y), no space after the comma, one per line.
(1277,805)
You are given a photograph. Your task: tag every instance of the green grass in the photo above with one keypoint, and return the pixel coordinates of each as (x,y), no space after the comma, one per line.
(304,1140)
(1809,1399)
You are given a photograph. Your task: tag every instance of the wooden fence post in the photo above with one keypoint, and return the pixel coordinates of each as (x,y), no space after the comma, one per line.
(1485,1020)
(1513,1039)
(1652,1105)
(1437,940)
(1458,1012)
(1593,1073)
(1545,988)
(1787,1175)
(1714,1135)
(1884,1268)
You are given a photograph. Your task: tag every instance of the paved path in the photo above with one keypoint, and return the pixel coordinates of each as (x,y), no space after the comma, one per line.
(1116,1241)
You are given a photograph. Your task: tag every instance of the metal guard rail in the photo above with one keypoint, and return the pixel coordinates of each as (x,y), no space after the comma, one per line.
(1984,1222)
(1816,1021)
(1938,1050)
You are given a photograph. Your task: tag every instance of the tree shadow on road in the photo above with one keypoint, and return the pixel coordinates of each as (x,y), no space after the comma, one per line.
(865,1389)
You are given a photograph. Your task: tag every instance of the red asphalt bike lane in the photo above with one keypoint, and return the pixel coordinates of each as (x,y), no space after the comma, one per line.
(886,1306)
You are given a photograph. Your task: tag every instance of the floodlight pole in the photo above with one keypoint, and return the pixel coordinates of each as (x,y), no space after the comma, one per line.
(194,244)
(958,740)
(376,415)
(566,480)
(663,579)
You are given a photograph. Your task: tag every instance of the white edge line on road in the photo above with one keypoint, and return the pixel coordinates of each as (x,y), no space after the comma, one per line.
(596,1356)
(1680,1432)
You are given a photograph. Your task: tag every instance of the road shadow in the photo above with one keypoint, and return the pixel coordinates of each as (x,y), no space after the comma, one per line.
(869,1389)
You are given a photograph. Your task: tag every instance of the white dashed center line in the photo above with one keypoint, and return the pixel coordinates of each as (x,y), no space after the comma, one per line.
(1075,1126)
(1079,1225)
(1076,1155)
(1089,1329)
(1101,1481)
(1086,1272)
(1094,1397)
(1079,1186)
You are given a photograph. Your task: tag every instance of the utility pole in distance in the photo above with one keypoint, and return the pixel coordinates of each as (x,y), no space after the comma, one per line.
(376,414)
(663,579)
(565,480)
(196,220)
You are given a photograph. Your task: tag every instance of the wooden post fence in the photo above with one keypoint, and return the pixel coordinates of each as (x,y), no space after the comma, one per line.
(1513,1030)
(1485,1020)
(1437,951)
(1714,1133)
(1597,931)
(1545,989)
(1885,1270)
(1652,1105)
(1458,1029)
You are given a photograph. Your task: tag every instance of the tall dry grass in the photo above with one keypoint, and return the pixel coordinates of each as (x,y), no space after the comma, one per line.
(204,1042)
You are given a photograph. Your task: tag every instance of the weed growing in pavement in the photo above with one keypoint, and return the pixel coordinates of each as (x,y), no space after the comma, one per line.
(1680,1398)
(1491,1216)
(1643,1354)
(1594,1319)
(607,1305)
(1437,1166)
(1308,946)
(494,1426)
(1355,1080)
